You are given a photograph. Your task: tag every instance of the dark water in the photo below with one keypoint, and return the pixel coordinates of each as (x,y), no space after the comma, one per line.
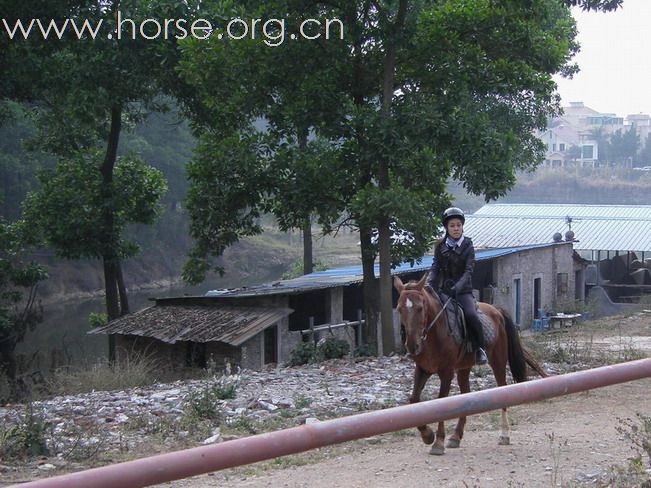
(62,338)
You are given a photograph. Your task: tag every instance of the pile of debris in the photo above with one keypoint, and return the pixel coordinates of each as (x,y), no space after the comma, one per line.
(119,421)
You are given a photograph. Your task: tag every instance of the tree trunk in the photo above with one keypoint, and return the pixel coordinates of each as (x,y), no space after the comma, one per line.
(370,288)
(308,263)
(110,257)
(384,229)
(386,290)
(122,290)
(308,254)
(8,359)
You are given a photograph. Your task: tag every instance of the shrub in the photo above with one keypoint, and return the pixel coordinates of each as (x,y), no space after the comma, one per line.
(204,403)
(333,348)
(26,439)
(303,353)
(365,350)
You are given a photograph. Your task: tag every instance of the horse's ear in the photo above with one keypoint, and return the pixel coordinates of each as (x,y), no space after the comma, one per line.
(398,284)
(421,282)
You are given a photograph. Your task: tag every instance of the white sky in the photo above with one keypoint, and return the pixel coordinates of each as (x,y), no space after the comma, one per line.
(615,60)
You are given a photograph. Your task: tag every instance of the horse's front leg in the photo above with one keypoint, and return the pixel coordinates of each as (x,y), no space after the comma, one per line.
(463,379)
(439,444)
(420,378)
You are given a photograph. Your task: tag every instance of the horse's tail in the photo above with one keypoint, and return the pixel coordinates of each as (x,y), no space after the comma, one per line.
(518,355)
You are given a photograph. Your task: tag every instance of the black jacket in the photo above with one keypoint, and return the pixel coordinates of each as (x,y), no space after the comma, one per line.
(453,264)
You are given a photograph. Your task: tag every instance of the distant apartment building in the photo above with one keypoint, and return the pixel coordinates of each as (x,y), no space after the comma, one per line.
(573,139)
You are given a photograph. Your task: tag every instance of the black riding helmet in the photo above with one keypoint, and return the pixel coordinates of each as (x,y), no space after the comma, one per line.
(453,213)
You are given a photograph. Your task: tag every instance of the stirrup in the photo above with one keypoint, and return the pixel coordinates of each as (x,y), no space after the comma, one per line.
(480,357)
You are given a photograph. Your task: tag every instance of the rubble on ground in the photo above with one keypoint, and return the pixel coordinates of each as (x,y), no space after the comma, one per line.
(119,421)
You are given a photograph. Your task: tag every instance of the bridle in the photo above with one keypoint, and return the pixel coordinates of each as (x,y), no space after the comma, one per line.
(431,324)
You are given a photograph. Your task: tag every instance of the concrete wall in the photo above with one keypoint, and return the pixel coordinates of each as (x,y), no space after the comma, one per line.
(554,265)
(253,349)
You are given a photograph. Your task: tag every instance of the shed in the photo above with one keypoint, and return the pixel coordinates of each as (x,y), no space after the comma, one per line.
(615,238)
(258,325)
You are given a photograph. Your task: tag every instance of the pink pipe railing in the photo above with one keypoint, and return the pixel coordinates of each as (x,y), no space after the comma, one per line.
(199,460)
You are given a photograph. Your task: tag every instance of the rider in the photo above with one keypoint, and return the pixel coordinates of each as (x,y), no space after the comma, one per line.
(454,261)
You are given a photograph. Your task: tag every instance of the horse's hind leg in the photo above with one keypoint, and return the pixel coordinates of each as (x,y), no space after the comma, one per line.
(420,378)
(463,379)
(505,430)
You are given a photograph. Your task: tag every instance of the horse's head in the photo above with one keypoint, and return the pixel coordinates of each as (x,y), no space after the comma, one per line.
(413,308)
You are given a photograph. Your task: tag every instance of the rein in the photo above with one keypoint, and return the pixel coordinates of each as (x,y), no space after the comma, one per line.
(431,324)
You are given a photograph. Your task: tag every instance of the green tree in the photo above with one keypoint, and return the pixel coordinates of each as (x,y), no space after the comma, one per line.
(19,311)
(624,146)
(68,208)
(408,116)
(644,157)
(271,116)
(603,145)
(84,91)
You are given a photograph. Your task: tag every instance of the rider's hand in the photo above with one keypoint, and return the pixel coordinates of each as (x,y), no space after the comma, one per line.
(453,291)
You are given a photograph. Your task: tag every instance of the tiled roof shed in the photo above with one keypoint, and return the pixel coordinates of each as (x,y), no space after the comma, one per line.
(196,323)
(205,319)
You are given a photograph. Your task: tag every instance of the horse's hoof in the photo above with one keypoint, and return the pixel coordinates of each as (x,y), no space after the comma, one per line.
(453,443)
(428,437)
(504,440)
(437,450)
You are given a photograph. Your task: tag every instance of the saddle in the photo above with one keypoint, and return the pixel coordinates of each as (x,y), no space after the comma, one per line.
(456,322)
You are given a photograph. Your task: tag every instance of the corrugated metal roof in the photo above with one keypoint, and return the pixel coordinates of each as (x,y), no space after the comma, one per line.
(196,323)
(595,212)
(349,275)
(596,227)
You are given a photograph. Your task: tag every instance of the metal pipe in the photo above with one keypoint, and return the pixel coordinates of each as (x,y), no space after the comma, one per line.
(320,328)
(199,460)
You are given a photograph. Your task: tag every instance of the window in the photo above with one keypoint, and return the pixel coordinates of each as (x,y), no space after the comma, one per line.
(587,152)
(561,147)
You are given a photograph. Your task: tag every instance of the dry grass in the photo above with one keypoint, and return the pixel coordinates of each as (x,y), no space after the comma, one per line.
(133,371)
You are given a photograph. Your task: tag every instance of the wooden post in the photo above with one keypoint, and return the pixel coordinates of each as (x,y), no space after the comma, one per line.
(359,327)
(312,336)
(378,328)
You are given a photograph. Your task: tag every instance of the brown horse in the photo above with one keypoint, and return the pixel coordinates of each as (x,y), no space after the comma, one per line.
(434,350)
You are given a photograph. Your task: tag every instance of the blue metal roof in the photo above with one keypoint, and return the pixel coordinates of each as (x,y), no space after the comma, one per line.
(349,275)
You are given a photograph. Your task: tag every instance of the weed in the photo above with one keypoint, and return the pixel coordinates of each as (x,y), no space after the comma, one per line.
(638,431)
(557,448)
(133,371)
(25,439)
(301,401)
(203,404)
(243,424)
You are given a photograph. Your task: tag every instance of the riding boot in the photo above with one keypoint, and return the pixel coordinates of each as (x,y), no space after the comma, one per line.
(480,353)
(475,327)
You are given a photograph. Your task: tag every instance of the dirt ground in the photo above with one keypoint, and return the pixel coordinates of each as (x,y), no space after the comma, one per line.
(571,441)
(568,441)
(561,442)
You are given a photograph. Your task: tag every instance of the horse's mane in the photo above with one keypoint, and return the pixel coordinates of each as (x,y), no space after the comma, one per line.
(412,285)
